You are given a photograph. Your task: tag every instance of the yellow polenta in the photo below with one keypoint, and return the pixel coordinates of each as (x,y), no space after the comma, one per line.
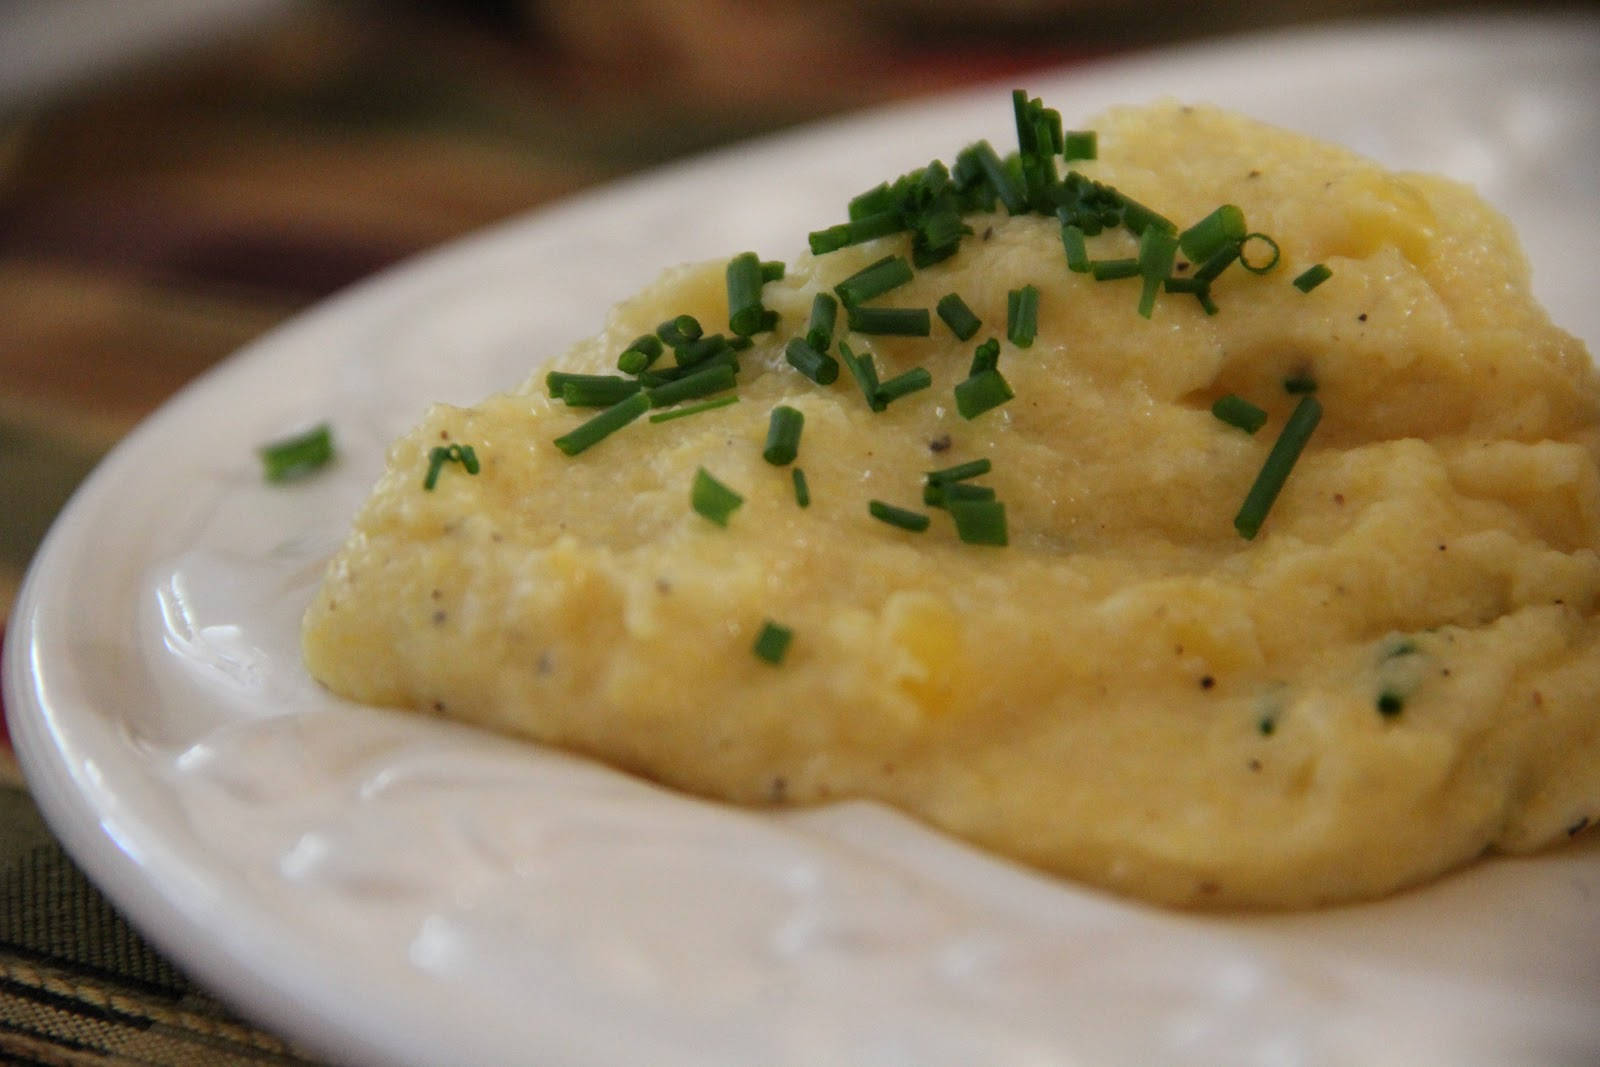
(1397,674)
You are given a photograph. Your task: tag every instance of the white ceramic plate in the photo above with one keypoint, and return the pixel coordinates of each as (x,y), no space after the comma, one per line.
(386,888)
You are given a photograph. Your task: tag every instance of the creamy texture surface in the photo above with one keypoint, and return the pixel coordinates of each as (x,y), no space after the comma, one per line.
(1129,693)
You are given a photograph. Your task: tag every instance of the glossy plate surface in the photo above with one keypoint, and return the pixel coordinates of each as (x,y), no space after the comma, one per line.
(384,888)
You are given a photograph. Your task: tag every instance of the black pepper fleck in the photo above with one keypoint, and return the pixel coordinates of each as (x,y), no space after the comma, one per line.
(939,444)
(1207,682)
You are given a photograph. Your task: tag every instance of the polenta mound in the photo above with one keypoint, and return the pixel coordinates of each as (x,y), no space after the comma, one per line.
(1396,672)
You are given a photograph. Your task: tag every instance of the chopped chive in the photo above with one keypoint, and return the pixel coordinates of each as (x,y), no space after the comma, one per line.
(1236,411)
(558,380)
(1208,305)
(817,366)
(985,357)
(905,519)
(978,522)
(680,330)
(802,491)
(701,349)
(1312,277)
(772,270)
(1212,234)
(1220,261)
(783,435)
(1022,315)
(694,409)
(875,201)
(723,356)
(1186,285)
(900,385)
(1080,144)
(855,232)
(711,499)
(1138,218)
(1107,270)
(875,279)
(1000,179)
(902,322)
(1077,250)
(439,455)
(972,468)
(1299,384)
(1258,268)
(958,316)
(596,391)
(703,382)
(824,314)
(1157,247)
(604,424)
(293,457)
(939,494)
(640,353)
(772,642)
(980,392)
(1275,471)
(865,372)
(744,280)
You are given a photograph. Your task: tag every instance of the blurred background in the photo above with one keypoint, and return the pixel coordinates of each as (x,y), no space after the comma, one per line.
(179,176)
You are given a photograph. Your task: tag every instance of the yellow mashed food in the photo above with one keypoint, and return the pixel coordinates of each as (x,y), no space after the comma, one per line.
(1398,673)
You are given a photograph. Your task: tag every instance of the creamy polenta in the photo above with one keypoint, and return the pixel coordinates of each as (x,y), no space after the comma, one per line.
(1093,671)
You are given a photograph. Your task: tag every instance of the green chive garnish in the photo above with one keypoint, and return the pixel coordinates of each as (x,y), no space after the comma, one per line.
(772,270)
(1261,267)
(1080,144)
(904,322)
(604,424)
(783,435)
(1223,227)
(865,372)
(289,458)
(980,392)
(978,521)
(802,491)
(939,494)
(640,353)
(905,519)
(1010,191)
(820,368)
(1275,471)
(985,357)
(772,642)
(956,315)
(442,454)
(875,279)
(1108,270)
(1312,277)
(745,312)
(694,409)
(1076,247)
(703,382)
(1157,249)
(901,384)
(1138,218)
(1237,411)
(972,468)
(1022,315)
(824,315)
(712,499)
(596,390)
(1219,262)
(679,330)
